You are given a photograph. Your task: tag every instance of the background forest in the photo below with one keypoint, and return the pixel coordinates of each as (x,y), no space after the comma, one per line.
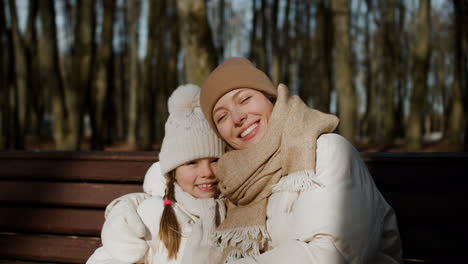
(96,74)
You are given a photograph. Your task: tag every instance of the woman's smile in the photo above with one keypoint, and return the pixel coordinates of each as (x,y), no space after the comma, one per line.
(249,132)
(242,117)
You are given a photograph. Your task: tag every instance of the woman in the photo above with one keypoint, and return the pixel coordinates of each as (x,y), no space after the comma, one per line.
(302,195)
(170,229)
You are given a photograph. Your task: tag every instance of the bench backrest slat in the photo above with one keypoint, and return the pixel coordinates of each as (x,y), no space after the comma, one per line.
(73,194)
(68,249)
(65,221)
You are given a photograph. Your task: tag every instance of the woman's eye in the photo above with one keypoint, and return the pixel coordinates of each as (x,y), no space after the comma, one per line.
(214,161)
(191,163)
(220,118)
(245,99)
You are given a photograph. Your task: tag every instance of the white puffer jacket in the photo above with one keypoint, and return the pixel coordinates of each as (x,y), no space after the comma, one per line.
(196,217)
(342,218)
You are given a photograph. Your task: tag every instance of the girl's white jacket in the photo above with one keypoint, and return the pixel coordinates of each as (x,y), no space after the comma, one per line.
(338,217)
(197,218)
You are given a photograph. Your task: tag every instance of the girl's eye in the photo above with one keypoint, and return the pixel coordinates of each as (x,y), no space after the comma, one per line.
(193,162)
(214,160)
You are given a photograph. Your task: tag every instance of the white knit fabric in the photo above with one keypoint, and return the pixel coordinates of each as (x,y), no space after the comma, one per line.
(188,135)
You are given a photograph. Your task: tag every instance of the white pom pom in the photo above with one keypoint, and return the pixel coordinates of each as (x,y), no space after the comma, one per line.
(185,97)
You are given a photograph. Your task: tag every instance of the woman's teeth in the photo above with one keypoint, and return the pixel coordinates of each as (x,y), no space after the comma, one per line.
(248,130)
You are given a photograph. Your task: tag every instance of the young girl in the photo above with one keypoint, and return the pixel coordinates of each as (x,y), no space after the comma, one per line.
(172,227)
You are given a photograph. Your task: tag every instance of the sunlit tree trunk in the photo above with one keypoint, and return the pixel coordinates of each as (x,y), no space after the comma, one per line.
(347,102)
(103,76)
(197,44)
(421,58)
(133,12)
(21,77)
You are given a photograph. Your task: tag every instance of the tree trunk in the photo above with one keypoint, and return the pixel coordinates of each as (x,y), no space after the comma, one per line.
(276,46)
(324,60)
(5,82)
(21,77)
(35,108)
(197,44)
(347,102)
(82,61)
(258,37)
(389,50)
(133,12)
(253,34)
(401,73)
(421,58)
(170,73)
(456,119)
(154,52)
(284,49)
(262,61)
(50,69)
(369,122)
(100,88)
(306,90)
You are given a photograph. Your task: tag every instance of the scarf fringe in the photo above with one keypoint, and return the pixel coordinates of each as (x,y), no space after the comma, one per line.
(297,182)
(236,254)
(243,241)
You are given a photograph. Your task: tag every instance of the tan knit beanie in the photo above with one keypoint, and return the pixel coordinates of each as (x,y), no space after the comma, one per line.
(232,74)
(188,135)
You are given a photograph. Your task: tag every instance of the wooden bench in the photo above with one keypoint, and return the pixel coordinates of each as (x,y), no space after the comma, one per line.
(52,203)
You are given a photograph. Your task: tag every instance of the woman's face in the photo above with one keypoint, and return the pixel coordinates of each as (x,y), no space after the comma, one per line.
(241,117)
(198,178)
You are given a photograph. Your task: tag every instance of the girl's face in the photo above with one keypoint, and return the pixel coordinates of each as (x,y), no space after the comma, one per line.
(198,178)
(241,117)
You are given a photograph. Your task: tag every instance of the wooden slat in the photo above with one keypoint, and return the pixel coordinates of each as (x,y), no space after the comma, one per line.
(9,261)
(74,170)
(150,156)
(82,166)
(95,195)
(51,220)
(68,249)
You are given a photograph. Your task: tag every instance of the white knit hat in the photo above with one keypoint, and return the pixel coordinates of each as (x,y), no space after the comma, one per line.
(188,136)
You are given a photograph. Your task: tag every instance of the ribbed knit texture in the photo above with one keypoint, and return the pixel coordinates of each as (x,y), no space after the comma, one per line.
(232,74)
(188,135)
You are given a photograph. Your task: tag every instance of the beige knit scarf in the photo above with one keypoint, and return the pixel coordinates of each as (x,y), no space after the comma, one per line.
(248,176)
